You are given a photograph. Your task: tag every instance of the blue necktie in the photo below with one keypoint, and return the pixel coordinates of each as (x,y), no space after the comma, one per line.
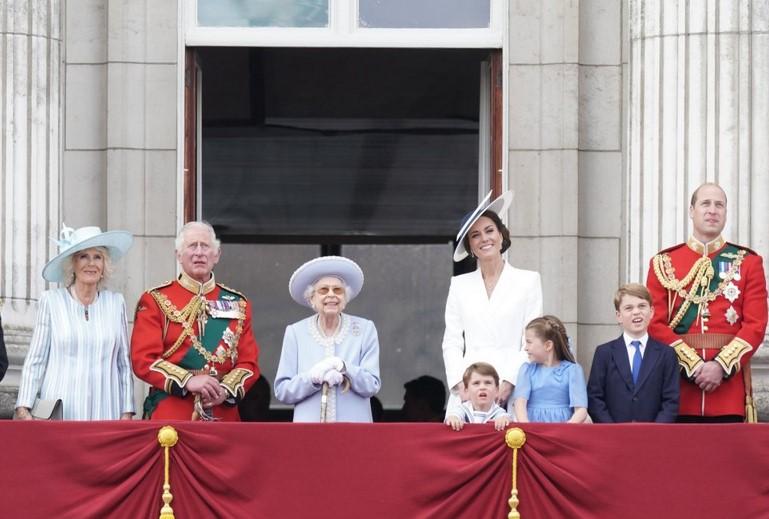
(636,360)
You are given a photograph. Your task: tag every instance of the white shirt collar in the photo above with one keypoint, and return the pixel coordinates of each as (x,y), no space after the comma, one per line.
(628,339)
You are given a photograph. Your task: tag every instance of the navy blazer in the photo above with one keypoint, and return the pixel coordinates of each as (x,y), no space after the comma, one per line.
(612,396)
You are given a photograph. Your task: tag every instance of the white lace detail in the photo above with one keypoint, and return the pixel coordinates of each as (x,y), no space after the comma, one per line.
(339,335)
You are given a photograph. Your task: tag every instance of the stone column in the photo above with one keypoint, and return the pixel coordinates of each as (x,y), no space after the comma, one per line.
(543,139)
(30,62)
(698,111)
(565,158)
(142,181)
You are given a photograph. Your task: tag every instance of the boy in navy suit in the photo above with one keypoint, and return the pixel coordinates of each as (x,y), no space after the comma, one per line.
(634,378)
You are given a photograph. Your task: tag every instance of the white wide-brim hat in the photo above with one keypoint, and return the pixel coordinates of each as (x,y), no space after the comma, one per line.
(71,241)
(498,206)
(326,266)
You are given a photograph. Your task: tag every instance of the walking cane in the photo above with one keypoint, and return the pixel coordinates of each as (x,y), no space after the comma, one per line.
(323,402)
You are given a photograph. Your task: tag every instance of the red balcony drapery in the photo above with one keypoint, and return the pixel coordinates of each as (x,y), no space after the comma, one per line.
(115,469)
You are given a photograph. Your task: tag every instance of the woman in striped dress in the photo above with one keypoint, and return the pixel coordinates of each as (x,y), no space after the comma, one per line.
(79,349)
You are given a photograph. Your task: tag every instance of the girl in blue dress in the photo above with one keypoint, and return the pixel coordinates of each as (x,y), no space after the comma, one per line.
(551,387)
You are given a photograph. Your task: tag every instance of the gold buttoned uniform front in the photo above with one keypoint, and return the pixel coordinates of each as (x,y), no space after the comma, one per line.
(184,328)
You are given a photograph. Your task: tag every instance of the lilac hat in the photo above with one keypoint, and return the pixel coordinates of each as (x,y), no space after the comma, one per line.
(335,266)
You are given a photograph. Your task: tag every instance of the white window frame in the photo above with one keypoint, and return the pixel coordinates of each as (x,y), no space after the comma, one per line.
(343,31)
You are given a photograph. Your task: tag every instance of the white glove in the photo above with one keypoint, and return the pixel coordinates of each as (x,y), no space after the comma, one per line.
(318,370)
(333,377)
(321,367)
(336,363)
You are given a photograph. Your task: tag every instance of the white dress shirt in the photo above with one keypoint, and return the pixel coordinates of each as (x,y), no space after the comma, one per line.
(631,348)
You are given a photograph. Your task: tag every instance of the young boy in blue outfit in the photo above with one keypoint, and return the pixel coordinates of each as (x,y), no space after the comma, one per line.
(634,378)
(481,383)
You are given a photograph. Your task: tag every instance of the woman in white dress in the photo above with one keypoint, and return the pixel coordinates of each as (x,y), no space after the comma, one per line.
(487,310)
(329,364)
(79,348)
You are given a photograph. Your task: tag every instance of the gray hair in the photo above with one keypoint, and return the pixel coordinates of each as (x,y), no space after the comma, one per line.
(179,242)
(310,290)
(68,268)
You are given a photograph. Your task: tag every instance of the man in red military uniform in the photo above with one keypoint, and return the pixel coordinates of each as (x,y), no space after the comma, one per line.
(710,305)
(192,339)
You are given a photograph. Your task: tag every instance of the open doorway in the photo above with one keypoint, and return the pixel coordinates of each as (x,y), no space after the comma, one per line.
(373,154)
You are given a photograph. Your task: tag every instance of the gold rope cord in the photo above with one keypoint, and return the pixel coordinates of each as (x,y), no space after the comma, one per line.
(167,438)
(186,317)
(699,276)
(514,438)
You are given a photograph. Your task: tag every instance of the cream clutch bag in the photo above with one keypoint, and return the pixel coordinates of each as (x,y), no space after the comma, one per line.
(47,410)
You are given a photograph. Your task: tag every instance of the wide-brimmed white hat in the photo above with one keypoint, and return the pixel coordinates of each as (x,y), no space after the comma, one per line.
(72,240)
(335,266)
(498,206)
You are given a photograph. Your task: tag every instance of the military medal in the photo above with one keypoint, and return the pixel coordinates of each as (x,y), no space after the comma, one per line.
(731,292)
(723,269)
(221,309)
(731,315)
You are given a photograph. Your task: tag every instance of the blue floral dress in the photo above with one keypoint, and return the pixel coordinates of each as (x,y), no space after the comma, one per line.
(552,393)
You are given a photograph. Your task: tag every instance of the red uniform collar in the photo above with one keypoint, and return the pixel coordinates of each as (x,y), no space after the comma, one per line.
(196,287)
(705,249)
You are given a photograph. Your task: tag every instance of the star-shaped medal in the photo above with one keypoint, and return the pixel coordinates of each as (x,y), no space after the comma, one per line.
(731,292)
(731,315)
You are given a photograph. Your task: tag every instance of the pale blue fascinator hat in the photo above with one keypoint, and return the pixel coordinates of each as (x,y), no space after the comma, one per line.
(72,240)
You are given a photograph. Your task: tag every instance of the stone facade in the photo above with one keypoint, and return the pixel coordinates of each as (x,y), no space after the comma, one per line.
(30,165)
(698,111)
(616,110)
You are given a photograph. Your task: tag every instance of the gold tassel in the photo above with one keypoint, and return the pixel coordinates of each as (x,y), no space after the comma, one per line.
(751,416)
(514,438)
(167,438)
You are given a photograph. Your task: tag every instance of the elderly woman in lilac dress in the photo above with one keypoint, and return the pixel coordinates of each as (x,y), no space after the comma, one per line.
(329,365)
(79,348)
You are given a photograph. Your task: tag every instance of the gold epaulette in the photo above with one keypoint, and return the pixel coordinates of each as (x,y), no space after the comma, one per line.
(671,249)
(149,291)
(162,285)
(687,357)
(234,381)
(189,313)
(729,356)
(241,294)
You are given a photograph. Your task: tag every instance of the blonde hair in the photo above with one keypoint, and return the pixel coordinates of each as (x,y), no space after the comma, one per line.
(68,268)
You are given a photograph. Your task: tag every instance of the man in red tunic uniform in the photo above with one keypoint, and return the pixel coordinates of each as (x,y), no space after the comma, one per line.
(192,339)
(710,305)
